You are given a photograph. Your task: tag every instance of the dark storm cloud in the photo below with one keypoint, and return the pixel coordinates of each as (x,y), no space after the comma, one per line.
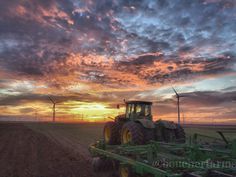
(19,99)
(35,34)
(229,88)
(171,69)
(16,100)
(31,39)
(194,22)
(209,98)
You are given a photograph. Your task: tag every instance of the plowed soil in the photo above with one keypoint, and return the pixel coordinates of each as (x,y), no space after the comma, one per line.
(28,153)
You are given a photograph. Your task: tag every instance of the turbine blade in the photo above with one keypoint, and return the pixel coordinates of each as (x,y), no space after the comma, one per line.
(183,95)
(51,100)
(175,92)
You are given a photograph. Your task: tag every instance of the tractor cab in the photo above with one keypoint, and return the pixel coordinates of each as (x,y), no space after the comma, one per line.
(138,110)
(137,127)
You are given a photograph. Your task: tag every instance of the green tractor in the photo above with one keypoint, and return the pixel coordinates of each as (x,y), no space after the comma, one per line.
(136,127)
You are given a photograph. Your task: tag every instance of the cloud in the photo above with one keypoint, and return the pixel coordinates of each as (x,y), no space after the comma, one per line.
(210,98)
(113,46)
(127,33)
(17,100)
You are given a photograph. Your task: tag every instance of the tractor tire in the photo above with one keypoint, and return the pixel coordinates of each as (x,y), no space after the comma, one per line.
(169,135)
(180,135)
(132,133)
(102,164)
(159,134)
(149,134)
(125,171)
(97,164)
(111,133)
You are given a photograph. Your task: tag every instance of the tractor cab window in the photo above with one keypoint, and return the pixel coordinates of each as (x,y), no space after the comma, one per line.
(128,107)
(130,110)
(134,110)
(138,109)
(147,111)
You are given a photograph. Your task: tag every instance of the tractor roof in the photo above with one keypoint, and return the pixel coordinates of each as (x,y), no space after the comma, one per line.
(138,102)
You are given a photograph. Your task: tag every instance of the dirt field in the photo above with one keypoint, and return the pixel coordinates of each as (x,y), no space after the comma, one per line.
(27,153)
(57,149)
(76,137)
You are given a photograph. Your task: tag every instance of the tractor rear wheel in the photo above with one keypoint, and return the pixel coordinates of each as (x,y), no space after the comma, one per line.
(149,134)
(132,133)
(169,135)
(111,133)
(180,134)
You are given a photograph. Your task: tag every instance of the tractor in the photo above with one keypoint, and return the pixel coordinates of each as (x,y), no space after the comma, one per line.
(136,127)
(135,145)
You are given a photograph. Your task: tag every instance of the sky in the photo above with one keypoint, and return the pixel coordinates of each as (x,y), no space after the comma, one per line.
(91,55)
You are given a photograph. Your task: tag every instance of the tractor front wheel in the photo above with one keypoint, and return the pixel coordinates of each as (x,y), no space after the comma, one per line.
(125,171)
(111,133)
(132,133)
(102,164)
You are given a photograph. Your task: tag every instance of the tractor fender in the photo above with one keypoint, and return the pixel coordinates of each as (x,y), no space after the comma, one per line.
(120,118)
(146,123)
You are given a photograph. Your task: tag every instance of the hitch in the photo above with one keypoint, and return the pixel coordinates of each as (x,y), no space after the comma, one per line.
(223,137)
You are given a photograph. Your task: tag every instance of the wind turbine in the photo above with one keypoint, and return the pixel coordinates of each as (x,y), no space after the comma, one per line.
(178,107)
(53,108)
(35,113)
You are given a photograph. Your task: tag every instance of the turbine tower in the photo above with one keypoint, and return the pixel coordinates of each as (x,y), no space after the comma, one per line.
(178,106)
(53,108)
(35,113)
(183,118)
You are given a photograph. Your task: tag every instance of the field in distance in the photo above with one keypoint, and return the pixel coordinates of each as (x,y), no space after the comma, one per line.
(80,135)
